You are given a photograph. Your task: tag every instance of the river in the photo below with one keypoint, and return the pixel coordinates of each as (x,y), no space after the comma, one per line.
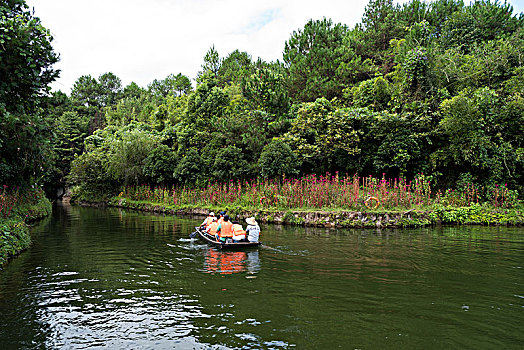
(109,278)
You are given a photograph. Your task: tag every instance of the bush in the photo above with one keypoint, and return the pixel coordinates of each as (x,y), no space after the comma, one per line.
(160,165)
(278,159)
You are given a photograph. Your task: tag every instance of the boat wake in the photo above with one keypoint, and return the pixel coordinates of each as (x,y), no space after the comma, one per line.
(285,250)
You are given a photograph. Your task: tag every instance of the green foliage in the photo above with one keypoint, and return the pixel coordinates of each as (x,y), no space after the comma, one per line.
(115,156)
(129,151)
(176,85)
(159,165)
(399,145)
(189,168)
(211,66)
(133,91)
(110,89)
(419,87)
(415,65)
(31,205)
(235,68)
(312,56)
(290,218)
(381,23)
(90,97)
(488,64)
(265,90)
(127,110)
(85,93)
(479,22)
(71,130)
(278,159)
(25,149)
(88,173)
(229,164)
(373,93)
(319,131)
(206,105)
(475,214)
(454,215)
(439,12)
(481,134)
(14,237)
(26,59)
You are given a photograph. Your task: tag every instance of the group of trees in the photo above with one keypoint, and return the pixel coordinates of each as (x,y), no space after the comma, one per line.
(419,87)
(26,57)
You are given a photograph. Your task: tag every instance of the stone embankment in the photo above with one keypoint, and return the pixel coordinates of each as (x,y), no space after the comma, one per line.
(341,219)
(336,219)
(472,215)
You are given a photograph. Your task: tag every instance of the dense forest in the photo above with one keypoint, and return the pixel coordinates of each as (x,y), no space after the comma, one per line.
(433,88)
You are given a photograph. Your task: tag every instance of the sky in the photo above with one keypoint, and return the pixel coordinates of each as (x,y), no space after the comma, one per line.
(143,40)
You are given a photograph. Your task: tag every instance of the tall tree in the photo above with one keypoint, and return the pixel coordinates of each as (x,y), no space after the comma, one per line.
(211,65)
(181,84)
(110,89)
(26,70)
(235,68)
(71,130)
(320,133)
(85,93)
(133,90)
(26,58)
(382,24)
(265,90)
(176,84)
(481,21)
(312,56)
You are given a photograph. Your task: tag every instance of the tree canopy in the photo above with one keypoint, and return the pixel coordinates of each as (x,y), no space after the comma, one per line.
(26,70)
(433,87)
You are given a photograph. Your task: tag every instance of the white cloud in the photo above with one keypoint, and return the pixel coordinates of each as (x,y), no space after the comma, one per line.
(142,40)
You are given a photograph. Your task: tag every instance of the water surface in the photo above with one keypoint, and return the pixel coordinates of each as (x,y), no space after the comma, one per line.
(121,279)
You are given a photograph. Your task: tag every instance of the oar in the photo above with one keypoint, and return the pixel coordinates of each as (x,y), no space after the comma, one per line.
(193,235)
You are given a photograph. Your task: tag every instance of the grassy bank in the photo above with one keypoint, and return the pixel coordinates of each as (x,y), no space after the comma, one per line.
(331,201)
(475,214)
(17,209)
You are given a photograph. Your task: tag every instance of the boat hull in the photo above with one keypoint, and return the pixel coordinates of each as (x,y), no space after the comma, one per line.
(212,241)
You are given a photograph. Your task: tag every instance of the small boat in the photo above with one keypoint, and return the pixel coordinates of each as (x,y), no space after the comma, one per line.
(212,240)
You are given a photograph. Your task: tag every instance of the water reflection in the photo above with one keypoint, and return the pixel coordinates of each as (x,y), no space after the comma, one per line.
(108,278)
(230,262)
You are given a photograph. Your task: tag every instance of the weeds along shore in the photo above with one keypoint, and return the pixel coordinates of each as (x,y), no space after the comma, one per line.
(19,208)
(330,201)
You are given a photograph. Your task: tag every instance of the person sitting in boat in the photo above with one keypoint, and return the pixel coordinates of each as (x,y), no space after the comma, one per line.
(208,220)
(252,230)
(225,230)
(221,217)
(212,228)
(239,234)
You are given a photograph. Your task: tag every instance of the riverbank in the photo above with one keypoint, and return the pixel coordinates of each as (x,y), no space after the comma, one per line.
(338,218)
(14,230)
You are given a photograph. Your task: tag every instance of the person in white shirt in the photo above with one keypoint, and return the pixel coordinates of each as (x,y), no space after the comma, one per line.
(252,230)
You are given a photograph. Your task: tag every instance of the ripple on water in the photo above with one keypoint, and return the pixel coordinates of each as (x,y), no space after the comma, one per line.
(124,280)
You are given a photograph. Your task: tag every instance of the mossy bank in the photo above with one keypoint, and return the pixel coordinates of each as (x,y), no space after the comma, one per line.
(14,230)
(337,218)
